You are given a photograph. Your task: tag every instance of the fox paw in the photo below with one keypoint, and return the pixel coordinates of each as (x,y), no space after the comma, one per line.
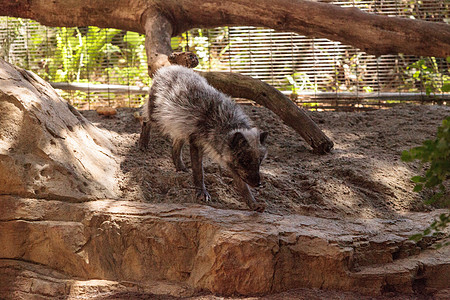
(203,195)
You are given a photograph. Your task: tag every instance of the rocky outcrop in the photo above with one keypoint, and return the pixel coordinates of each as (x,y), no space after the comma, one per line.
(181,249)
(47,149)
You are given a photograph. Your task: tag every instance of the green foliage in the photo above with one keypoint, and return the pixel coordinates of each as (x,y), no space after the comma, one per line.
(75,51)
(435,229)
(436,155)
(425,74)
(77,54)
(209,46)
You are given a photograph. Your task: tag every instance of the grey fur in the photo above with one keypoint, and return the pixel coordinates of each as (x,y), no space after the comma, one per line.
(185,107)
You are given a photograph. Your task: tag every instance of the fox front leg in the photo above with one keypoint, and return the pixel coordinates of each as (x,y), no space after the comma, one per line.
(197,172)
(247,195)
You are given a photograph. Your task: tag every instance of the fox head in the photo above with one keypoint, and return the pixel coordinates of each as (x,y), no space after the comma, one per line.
(247,152)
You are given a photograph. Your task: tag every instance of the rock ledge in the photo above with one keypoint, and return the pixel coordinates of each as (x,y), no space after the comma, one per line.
(181,249)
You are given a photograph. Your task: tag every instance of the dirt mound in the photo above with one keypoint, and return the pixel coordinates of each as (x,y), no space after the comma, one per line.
(363,177)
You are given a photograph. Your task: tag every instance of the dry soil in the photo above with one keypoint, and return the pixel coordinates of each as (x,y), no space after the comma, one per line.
(363,177)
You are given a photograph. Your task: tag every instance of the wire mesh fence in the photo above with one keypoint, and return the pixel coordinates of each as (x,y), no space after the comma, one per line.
(96,67)
(93,66)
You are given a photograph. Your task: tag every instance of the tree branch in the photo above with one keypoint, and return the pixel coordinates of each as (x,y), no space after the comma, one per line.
(374,34)
(371,33)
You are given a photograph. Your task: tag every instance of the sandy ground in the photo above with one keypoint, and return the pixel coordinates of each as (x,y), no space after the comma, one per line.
(363,176)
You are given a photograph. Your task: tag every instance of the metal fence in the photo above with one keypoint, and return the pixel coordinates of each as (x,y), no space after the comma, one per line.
(96,67)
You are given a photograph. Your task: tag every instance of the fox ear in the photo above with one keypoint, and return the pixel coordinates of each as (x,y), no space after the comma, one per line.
(263,137)
(238,140)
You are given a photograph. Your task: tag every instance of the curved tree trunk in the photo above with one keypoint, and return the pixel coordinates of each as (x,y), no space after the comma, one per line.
(162,19)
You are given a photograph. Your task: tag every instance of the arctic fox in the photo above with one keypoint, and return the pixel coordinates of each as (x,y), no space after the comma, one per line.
(185,107)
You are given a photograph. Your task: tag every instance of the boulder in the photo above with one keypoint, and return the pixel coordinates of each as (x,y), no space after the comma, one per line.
(47,149)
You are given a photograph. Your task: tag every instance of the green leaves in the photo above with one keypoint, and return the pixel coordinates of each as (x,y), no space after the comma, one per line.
(435,228)
(436,154)
(426,73)
(445,88)
(418,179)
(418,188)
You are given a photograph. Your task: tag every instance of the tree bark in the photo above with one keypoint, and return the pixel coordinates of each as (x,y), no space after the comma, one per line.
(158,32)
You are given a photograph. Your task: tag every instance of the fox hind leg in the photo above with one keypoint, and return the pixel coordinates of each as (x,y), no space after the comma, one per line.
(177,158)
(144,138)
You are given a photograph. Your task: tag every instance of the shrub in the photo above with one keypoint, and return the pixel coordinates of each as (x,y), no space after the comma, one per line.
(435,158)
